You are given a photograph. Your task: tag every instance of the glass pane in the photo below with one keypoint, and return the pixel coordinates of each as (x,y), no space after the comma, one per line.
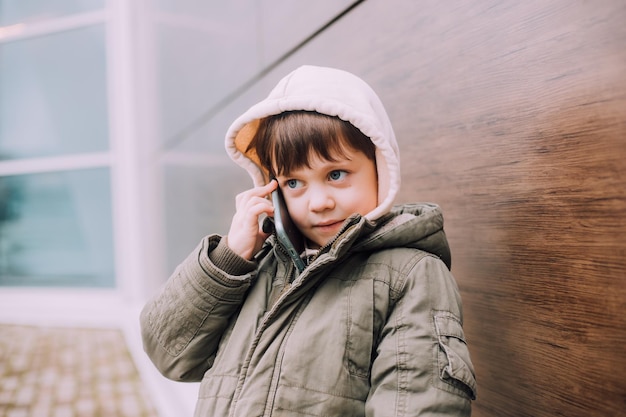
(199,200)
(22,11)
(53,95)
(56,229)
(206,51)
(203,55)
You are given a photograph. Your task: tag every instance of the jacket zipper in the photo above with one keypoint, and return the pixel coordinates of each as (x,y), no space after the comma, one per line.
(283,294)
(292,268)
(327,246)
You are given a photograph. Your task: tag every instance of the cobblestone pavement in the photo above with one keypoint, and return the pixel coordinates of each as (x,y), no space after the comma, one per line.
(68,372)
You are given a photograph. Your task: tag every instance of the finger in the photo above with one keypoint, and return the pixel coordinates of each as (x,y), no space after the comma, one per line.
(269,187)
(263,191)
(259,206)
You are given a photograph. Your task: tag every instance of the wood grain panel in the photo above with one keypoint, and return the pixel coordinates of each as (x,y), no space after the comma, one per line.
(512,116)
(523,143)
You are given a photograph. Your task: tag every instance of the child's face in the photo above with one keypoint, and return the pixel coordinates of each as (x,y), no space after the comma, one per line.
(321,197)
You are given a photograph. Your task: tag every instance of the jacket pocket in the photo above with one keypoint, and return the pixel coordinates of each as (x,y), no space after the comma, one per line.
(454,366)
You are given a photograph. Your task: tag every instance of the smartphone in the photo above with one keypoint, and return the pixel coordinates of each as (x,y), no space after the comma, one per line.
(286,231)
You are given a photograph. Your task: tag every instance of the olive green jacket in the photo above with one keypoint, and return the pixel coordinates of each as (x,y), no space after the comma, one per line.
(372,327)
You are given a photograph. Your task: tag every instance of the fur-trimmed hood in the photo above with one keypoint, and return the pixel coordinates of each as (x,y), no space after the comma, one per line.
(335,93)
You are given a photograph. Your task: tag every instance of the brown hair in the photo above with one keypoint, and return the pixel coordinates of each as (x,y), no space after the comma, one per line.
(287,140)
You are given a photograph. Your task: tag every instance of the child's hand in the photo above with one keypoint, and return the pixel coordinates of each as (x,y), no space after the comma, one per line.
(245,237)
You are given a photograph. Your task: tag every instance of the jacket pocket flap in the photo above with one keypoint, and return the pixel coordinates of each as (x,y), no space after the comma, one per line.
(455,367)
(448,325)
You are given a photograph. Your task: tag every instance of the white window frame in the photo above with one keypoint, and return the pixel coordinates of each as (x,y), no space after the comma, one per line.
(85,306)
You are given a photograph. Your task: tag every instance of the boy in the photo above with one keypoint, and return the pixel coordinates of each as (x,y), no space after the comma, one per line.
(371,327)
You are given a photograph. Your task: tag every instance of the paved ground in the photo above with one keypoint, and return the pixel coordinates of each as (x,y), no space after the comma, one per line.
(68,372)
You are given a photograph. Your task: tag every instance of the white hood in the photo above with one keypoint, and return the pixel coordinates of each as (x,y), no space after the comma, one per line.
(335,93)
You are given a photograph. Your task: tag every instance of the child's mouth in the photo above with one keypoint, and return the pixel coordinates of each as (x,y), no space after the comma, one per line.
(329,226)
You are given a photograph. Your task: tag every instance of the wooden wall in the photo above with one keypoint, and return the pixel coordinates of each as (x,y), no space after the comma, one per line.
(512,116)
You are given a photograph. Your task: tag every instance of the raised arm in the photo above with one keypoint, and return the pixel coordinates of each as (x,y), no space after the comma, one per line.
(182,325)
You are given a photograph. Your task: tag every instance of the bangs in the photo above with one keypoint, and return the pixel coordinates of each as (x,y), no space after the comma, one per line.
(289,141)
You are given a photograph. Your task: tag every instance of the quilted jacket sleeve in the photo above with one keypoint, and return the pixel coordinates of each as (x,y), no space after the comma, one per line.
(182,325)
(422,365)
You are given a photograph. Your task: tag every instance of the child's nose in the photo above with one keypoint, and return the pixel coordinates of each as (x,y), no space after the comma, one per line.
(320,200)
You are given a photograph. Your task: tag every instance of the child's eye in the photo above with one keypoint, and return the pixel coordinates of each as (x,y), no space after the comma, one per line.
(292,183)
(337,175)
